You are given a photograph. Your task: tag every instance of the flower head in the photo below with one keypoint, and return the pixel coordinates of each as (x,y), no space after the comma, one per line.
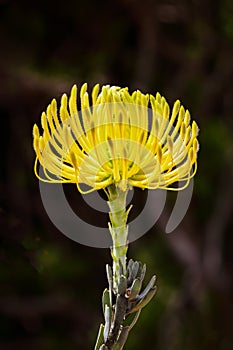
(116,138)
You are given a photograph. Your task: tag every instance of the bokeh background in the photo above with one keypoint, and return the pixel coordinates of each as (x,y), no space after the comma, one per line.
(50,286)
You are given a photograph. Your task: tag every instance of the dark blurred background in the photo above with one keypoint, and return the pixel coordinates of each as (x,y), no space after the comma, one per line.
(51,286)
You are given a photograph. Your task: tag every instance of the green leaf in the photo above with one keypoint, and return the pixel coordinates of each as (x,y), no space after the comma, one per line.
(144,301)
(109,276)
(100,338)
(134,320)
(122,338)
(106,300)
(135,269)
(148,287)
(135,289)
(107,317)
(130,263)
(143,272)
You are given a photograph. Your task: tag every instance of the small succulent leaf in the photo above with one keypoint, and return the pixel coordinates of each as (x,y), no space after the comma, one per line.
(135,289)
(107,317)
(135,269)
(106,299)
(130,263)
(100,338)
(143,272)
(130,275)
(139,269)
(143,302)
(122,338)
(134,319)
(122,286)
(109,276)
(148,287)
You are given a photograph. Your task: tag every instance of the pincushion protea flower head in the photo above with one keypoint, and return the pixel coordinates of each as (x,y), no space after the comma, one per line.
(116,138)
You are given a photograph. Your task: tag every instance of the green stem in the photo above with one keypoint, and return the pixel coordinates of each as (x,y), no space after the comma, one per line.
(119,230)
(123,295)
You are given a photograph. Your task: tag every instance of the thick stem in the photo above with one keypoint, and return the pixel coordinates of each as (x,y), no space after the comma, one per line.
(124,296)
(118,229)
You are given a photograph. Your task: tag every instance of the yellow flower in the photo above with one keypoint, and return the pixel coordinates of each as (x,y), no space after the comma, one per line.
(116,138)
